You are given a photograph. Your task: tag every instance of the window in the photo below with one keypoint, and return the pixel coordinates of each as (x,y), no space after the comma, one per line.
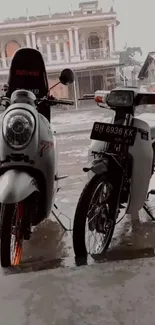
(53,48)
(11,48)
(61,47)
(93,42)
(44,48)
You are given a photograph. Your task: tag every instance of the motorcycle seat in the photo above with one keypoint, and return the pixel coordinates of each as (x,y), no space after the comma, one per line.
(150,119)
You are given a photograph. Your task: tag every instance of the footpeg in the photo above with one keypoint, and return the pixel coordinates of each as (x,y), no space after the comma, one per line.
(27,234)
(58,178)
(86,170)
(152,192)
(122,206)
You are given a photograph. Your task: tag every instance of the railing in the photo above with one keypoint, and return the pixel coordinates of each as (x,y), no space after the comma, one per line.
(97,54)
(85,55)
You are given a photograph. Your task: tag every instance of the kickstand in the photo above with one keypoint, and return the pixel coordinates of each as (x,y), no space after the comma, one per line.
(58,219)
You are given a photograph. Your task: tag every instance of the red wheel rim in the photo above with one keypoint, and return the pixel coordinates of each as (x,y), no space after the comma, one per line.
(18,237)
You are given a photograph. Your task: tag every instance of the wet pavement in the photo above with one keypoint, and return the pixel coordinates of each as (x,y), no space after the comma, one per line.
(51,246)
(116,292)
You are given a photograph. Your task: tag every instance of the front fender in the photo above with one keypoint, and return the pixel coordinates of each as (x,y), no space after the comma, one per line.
(16,186)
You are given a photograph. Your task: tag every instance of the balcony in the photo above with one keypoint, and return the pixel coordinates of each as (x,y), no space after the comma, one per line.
(97,54)
(87,59)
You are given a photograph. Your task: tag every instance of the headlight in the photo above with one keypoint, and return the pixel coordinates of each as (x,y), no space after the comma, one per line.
(18,128)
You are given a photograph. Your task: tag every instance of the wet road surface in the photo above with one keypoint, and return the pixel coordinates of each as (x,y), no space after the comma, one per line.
(51,246)
(118,293)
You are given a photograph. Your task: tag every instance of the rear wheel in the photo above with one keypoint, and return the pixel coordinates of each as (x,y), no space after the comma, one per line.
(12,235)
(94,215)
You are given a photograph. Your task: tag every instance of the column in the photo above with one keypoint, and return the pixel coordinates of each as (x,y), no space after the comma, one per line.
(28,41)
(49,56)
(75,95)
(76,34)
(34,40)
(71,42)
(113,37)
(57,47)
(104,46)
(3,56)
(66,52)
(110,38)
(84,51)
(39,44)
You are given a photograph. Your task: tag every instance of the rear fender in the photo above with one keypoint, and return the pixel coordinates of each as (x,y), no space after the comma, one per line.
(16,186)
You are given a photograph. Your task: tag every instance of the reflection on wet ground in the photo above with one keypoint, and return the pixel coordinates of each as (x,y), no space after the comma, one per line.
(51,247)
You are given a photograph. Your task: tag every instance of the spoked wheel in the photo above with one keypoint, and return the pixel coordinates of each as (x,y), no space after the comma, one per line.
(93,223)
(12,236)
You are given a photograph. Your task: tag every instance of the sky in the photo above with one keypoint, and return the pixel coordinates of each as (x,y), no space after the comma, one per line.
(137,17)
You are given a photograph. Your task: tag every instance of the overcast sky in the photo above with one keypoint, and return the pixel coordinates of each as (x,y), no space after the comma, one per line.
(137,17)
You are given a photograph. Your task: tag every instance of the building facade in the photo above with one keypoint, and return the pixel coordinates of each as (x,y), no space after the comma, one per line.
(147,73)
(83,40)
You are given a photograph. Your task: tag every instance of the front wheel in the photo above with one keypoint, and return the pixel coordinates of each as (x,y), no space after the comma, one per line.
(95,216)
(12,236)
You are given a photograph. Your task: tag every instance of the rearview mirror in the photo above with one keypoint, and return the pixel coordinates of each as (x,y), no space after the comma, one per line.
(66,77)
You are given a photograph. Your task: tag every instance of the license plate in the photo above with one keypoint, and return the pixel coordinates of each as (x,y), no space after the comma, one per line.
(119,134)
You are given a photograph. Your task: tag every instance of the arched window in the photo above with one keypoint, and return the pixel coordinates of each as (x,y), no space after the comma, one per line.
(11,47)
(93,42)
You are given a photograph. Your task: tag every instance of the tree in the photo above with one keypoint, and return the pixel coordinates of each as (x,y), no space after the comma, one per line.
(127,56)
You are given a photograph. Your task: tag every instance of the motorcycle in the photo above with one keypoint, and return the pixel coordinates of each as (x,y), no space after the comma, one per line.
(28,155)
(120,165)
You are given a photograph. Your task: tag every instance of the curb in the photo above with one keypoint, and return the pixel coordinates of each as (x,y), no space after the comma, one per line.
(72,131)
(74,111)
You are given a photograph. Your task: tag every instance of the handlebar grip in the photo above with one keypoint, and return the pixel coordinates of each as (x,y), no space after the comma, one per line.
(62,102)
(86,98)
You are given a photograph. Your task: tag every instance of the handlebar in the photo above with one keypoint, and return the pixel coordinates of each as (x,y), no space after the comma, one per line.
(39,101)
(54,101)
(87,97)
(61,102)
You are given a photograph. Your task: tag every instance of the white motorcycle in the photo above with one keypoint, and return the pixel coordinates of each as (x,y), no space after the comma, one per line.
(28,158)
(121,163)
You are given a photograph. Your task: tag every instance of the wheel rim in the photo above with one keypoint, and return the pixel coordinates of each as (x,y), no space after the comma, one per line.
(16,235)
(96,219)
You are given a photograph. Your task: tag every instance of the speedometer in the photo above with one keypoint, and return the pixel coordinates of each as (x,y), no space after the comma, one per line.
(121,98)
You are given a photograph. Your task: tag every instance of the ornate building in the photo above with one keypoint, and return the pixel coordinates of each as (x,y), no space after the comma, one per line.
(83,40)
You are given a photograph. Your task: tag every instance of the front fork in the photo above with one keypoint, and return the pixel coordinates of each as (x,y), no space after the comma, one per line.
(116,179)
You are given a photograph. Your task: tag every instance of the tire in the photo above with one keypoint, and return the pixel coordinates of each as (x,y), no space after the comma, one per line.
(8,214)
(80,217)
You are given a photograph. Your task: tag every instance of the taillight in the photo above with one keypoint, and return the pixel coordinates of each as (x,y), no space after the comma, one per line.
(99,99)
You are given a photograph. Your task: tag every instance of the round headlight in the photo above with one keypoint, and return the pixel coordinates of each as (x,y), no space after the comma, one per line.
(18,128)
